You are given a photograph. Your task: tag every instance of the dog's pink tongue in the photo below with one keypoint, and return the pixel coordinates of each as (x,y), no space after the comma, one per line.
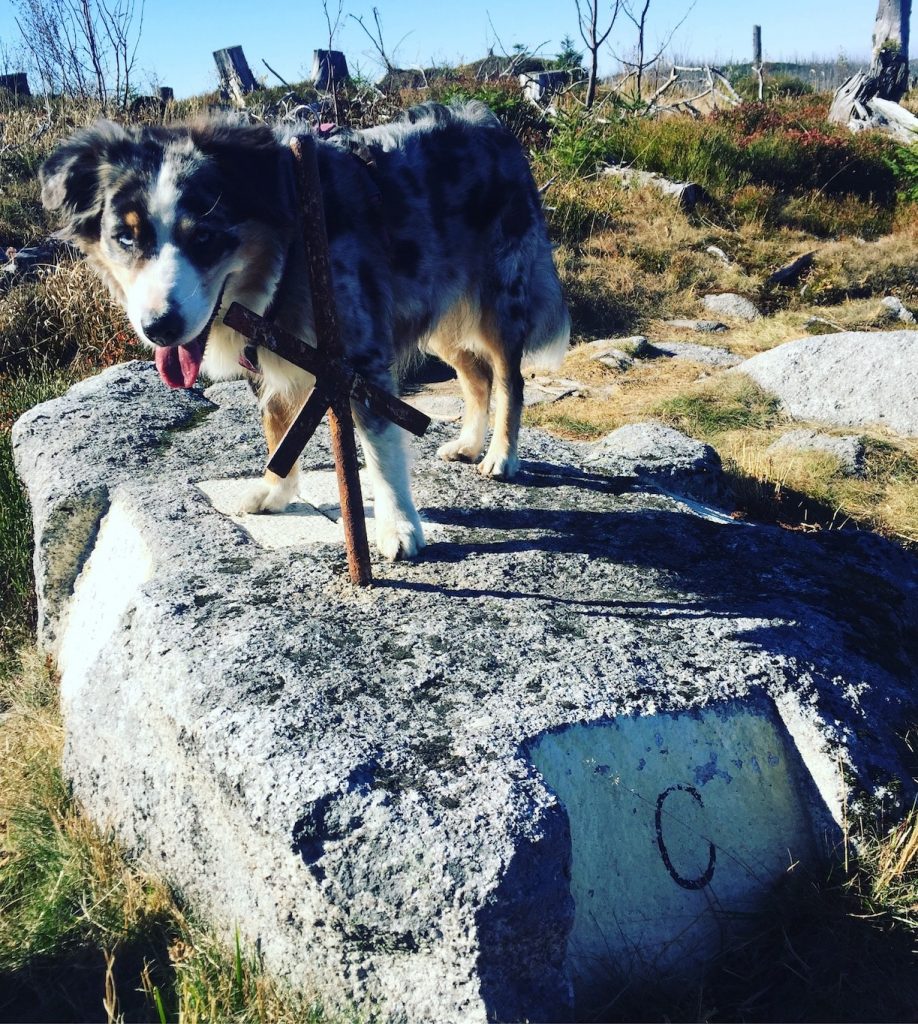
(179,366)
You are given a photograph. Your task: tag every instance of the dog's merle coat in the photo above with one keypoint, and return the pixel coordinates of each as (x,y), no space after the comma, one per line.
(436,237)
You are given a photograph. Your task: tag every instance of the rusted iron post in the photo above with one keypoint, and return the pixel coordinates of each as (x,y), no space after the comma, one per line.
(344,447)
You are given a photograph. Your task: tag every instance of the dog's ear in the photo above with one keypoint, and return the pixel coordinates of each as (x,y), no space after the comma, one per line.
(70,177)
(256,169)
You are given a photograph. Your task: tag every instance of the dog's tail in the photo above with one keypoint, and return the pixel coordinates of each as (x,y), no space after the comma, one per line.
(547,351)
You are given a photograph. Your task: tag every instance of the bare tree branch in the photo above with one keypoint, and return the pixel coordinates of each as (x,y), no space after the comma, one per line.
(593,37)
(376,38)
(641,63)
(273,72)
(75,42)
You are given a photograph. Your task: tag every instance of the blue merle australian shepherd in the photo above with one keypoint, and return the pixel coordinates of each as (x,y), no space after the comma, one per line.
(437,240)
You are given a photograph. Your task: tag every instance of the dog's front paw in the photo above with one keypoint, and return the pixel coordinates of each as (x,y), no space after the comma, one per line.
(458,451)
(265,497)
(499,467)
(399,537)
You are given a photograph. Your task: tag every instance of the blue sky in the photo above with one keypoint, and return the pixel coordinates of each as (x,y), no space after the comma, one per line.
(179,35)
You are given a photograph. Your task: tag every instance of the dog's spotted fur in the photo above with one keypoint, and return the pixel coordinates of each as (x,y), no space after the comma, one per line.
(436,238)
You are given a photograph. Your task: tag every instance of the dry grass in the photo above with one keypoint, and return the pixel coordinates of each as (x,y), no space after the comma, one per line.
(62,317)
(616,398)
(84,933)
(794,488)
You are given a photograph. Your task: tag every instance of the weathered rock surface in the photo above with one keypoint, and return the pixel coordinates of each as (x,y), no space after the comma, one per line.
(848,449)
(894,309)
(655,453)
(534,758)
(732,305)
(851,379)
(707,355)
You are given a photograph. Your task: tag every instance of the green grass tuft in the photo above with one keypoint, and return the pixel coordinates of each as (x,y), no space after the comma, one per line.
(17,394)
(733,403)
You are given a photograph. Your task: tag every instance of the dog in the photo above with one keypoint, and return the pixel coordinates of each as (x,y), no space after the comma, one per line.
(436,237)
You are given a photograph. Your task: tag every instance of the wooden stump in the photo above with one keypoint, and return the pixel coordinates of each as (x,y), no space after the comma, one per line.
(236,78)
(329,69)
(17,84)
(870,99)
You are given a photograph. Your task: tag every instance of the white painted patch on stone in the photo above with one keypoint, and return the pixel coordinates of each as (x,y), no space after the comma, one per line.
(679,823)
(447,408)
(119,565)
(314,519)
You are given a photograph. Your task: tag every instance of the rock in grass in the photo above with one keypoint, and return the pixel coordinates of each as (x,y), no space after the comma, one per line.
(718,254)
(848,449)
(616,353)
(732,305)
(615,359)
(699,326)
(545,390)
(851,379)
(597,349)
(707,355)
(658,454)
(893,309)
(549,747)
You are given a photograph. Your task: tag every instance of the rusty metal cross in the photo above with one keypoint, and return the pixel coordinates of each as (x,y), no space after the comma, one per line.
(337,383)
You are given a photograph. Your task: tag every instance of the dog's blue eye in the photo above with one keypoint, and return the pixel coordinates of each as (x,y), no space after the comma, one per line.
(126,241)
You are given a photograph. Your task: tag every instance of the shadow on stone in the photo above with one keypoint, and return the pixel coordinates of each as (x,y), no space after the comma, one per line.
(738,572)
(522,940)
(809,955)
(69,988)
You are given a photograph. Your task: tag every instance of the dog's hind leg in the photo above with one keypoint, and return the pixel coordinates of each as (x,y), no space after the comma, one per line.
(274,493)
(475,380)
(501,460)
(398,526)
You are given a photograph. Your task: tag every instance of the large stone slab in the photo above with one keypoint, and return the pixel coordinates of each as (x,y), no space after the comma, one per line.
(850,379)
(579,737)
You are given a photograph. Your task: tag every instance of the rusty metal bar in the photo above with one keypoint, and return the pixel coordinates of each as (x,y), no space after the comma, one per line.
(284,456)
(343,443)
(335,373)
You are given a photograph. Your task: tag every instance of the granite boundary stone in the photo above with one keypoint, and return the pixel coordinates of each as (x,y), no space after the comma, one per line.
(367,783)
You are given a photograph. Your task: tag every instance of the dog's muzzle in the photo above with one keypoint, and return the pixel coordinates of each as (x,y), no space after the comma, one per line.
(179,365)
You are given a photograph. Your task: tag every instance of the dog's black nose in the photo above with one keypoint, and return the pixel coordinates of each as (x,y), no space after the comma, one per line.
(165,329)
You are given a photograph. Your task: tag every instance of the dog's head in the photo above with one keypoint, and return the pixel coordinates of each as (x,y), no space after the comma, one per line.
(169,216)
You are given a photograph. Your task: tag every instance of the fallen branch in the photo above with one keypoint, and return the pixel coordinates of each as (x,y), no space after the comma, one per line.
(273,72)
(790,272)
(716,86)
(686,193)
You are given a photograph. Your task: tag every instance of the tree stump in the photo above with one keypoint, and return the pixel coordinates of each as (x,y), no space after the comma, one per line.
(869,99)
(17,84)
(236,78)
(329,69)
